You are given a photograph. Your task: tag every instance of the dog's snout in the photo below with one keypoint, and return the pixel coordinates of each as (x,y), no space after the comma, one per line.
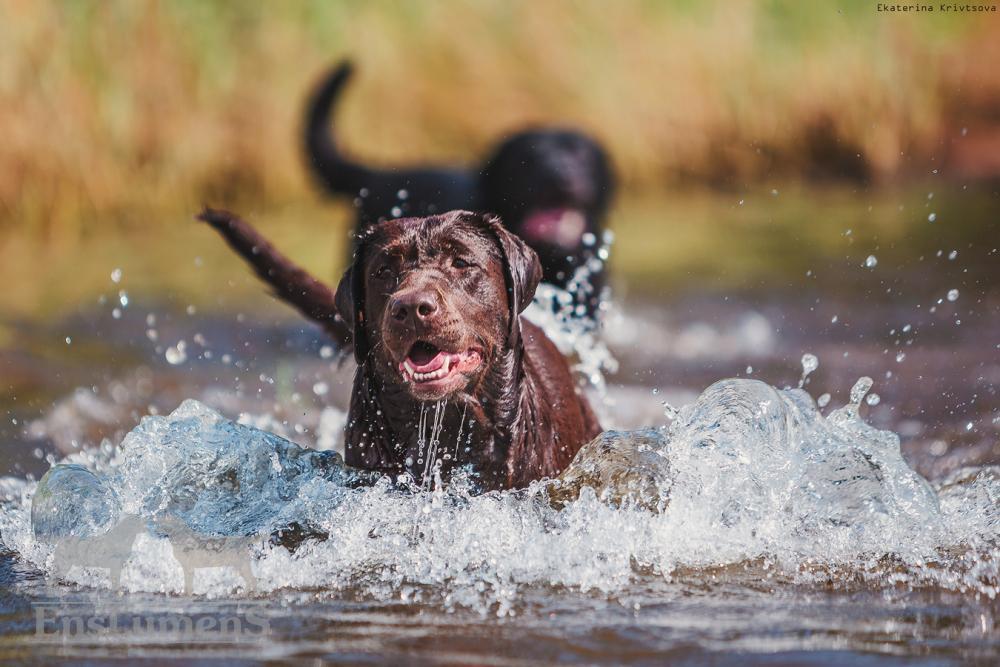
(415,306)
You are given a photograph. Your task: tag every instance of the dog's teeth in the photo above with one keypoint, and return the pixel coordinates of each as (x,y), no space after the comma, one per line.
(408,367)
(447,364)
(431,375)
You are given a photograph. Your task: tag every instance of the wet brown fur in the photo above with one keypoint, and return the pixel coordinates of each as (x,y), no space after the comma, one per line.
(524,418)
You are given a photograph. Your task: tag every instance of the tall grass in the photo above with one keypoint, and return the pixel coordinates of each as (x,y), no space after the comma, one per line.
(115,112)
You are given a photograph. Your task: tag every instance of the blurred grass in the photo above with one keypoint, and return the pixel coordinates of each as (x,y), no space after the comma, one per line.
(126,114)
(699,240)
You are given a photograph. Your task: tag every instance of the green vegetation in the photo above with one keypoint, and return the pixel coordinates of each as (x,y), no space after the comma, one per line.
(115,113)
(120,119)
(698,239)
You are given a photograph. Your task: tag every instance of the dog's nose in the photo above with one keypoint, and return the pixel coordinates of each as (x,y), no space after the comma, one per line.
(421,306)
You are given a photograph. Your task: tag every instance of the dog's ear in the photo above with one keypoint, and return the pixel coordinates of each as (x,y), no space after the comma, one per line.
(522,271)
(350,302)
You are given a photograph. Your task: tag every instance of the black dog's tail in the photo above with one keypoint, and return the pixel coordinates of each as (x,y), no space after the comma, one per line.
(336,173)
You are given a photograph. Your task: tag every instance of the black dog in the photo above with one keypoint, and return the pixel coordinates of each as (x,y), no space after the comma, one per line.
(552,187)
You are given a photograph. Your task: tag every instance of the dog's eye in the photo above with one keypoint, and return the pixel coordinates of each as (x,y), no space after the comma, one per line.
(460,263)
(384,273)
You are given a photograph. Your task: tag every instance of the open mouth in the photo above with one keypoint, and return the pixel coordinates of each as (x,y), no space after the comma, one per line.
(556,226)
(426,363)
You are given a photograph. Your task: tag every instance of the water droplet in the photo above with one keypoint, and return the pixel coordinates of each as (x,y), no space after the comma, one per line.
(69,341)
(402,194)
(932,217)
(809,363)
(177,354)
(823,400)
(860,388)
(953,254)
(873,399)
(325,352)
(871,262)
(116,275)
(749,370)
(396,211)
(900,356)
(321,388)
(952,295)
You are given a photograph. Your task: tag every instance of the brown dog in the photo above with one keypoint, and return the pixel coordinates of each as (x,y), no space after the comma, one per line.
(449,374)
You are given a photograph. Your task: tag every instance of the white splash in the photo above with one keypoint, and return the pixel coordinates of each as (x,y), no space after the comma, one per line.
(746,472)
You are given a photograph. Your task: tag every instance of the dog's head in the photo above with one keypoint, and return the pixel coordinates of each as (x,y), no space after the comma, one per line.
(435,301)
(549,186)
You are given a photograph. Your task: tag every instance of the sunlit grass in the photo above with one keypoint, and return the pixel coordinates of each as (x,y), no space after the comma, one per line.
(665,244)
(111,109)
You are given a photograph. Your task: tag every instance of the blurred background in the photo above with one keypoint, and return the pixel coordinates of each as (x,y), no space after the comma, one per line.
(766,150)
(122,118)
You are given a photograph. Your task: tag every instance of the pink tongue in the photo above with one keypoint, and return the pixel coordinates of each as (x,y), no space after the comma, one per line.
(557,226)
(423,362)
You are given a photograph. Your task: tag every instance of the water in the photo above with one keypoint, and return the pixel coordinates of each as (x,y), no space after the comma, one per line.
(746,473)
(777,515)
(750,490)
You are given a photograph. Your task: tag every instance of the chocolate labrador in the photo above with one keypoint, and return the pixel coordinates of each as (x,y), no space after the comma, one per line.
(552,187)
(449,374)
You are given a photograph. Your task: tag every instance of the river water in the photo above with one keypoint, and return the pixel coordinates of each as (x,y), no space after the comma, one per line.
(747,508)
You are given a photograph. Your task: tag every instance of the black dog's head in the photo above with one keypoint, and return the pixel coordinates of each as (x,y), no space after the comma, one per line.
(549,187)
(435,301)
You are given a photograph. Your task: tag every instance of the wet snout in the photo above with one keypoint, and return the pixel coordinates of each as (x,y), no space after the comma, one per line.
(417,307)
